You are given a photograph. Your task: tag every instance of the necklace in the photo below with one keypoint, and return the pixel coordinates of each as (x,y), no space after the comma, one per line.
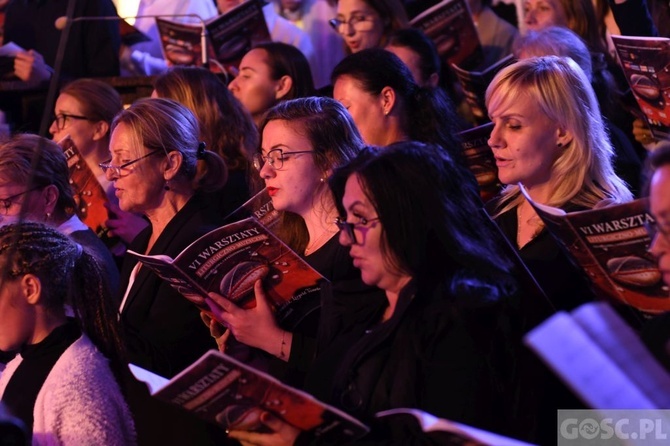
(318,242)
(533,221)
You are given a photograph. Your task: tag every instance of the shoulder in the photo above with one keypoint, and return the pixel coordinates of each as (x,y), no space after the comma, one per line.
(80,400)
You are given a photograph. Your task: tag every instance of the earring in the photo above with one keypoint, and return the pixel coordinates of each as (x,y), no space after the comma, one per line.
(166,187)
(559,145)
(47,216)
(322,179)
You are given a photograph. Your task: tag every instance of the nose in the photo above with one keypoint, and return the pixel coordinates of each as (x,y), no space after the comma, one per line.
(267,171)
(232,85)
(659,246)
(529,16)
(110,174)
(53,128)
(494,141)
(344,239)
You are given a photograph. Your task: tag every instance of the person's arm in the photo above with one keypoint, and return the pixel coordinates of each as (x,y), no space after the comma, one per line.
(633,18)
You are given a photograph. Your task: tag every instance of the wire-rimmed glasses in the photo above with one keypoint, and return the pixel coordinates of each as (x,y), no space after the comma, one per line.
(275,158)
(359,22)
(116,170)
(6,203)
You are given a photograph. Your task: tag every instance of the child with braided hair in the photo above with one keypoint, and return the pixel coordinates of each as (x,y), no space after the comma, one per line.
(55,311)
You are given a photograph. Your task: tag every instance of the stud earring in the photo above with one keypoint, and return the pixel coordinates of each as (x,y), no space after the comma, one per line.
(559,145)
(166,187)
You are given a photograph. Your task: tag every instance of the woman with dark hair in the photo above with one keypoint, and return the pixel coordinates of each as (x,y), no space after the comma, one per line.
(437,340)
(160,168)
(64,384)
(304,140)
(269,73)
(367,24)
(388,106)
(225,126)
(418,52)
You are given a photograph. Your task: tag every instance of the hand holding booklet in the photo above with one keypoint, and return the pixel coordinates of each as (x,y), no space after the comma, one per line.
(233,395)
(230,259)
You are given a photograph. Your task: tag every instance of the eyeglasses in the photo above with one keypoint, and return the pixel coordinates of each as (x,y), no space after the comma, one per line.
(348,228)
(359,22)
(6,203)
(62,118)
(275,158)
(116,170)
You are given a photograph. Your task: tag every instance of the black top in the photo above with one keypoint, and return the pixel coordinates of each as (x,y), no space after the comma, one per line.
(163,329)
(93,46)
(38,360)
(565,284)
(436,353)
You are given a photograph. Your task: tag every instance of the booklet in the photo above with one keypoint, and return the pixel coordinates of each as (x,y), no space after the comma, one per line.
(601,359)
(230,259)
(89,195)
(646,65)
(260,207)
(480,160)
(475,83)
(233,395)
(450,26)
(611,245)
(229,36)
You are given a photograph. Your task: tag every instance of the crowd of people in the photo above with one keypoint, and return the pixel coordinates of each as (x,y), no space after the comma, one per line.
(356,138)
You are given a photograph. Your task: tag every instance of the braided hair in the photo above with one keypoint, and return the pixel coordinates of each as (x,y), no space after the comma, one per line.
(70,276)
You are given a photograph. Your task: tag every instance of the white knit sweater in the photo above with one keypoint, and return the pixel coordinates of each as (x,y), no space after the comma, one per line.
(80,402)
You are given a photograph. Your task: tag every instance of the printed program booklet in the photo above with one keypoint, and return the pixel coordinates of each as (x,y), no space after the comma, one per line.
(646,65)
(229,36)
(611,245)
(449,25)
(479,158)
(230,259)
(233,395)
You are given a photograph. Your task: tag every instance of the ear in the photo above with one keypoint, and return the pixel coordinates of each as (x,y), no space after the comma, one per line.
(172,164)
(388,99)
(31,287)
(284,85)
(434,80)
(101,129)
(564,137)
(49,197)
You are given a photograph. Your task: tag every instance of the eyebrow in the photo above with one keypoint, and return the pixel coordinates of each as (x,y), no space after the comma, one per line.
(276,146)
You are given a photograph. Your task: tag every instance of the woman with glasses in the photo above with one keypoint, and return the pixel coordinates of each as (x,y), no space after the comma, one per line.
(35,186)
(159,168)
(268,74)
(367,23)
(437,340)
(303,141)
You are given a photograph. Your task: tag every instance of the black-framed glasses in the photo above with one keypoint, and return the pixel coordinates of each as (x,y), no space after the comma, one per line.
(348,228)
(275,158)
(61,119)
(6,203)
(116,170)
(359,22)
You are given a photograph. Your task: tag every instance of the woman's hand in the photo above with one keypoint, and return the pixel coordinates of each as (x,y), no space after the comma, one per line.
(122,224)
(642,133)
(216,330)
(29,66)
(283,433)
(255,327)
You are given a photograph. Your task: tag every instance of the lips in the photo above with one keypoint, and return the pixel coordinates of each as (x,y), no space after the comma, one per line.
(272,191)
(502,162)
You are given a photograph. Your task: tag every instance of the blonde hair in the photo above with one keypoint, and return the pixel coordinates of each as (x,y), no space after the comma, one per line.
(583,173)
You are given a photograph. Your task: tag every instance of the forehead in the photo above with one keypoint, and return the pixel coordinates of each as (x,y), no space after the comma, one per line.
(659,193)
(68,103)
(348,6)
(280,132)
(255,59)
(346,87)
(354,194)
